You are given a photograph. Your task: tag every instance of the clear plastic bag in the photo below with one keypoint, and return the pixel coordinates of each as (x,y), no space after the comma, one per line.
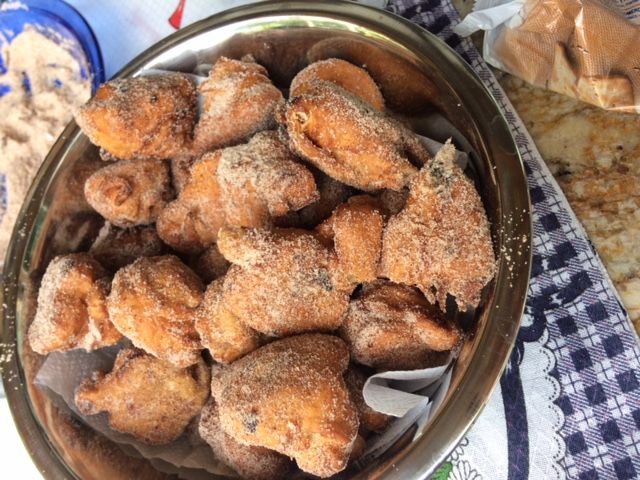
(587,49)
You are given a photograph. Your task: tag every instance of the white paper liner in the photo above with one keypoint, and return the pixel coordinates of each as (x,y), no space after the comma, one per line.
(62,372)
(396,393)
(413,397)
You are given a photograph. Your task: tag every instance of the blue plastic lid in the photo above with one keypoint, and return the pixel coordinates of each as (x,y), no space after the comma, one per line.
(58,21)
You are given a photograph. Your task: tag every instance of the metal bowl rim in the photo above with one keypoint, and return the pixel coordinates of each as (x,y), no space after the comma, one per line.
(42,451)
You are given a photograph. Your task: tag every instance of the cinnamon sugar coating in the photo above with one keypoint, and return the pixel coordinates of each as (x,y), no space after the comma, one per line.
(239,100)
(72,311)
(282,282)
(392,327)
(245,185)
(141,117)
(348,76)
(153,302)
(145,397)
(130,193)
(191,222)
(441,239)
(226,337)
(289,396)
(349,140)
(262,179)
(250,462)
(355,229)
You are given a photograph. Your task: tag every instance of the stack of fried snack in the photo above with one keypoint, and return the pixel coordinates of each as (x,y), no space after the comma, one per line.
(291,247)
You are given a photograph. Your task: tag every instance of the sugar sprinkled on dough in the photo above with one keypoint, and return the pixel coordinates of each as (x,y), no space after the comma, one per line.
(265,168)
(441,239)
(284,281)
(305,370)
(254,463)
(73,285)
(238,90)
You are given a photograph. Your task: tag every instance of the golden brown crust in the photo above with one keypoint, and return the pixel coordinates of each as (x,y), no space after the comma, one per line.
(441,238)
(355,228)
(226,337)
(262,179)
(245,185)
(405,88)
(116,247)
(349,140)
(290,396)
(130,193)
(141,117)
(370,420)
(350,77)
(251,463)
(153,302)
(146,397)
(191,222)
(72,310)
(392,327)
(239,100)
(283,281)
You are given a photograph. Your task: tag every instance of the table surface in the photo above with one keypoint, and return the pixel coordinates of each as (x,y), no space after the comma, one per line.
(594,155)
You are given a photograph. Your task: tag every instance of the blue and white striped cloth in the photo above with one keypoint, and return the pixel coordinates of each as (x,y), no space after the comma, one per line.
(573,316)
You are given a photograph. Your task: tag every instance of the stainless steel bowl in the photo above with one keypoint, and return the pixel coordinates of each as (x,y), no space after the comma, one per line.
(419,75)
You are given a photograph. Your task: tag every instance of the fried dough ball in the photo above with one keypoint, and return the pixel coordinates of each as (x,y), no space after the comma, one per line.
(351,141)
(210,264)
(441,239)
(226,337)
(243,185)
(370,420)
(117,247)
(262,179)
(190,223)
(146,397)
(353,79)
(392,327)
(153,302)
(289,396)
(404,87)
(130,193)
(332,193)
(355,228)
(251,463)
(283,281)
(141,117)
(239,100)
(72,310)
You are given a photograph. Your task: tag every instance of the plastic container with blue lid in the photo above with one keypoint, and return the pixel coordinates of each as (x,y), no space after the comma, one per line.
(59,22)
(62,24)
